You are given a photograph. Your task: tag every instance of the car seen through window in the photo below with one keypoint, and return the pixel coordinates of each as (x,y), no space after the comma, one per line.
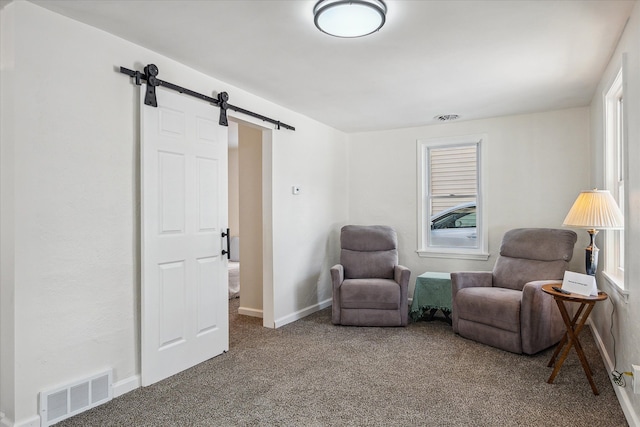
(455,227)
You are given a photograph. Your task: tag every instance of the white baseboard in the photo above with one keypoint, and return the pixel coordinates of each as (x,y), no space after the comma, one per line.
(29,422)
(126,385)
(623,398)
(302,313)
(250,312)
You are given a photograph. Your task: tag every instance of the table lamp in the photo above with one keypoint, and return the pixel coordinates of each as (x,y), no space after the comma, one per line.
(594,210)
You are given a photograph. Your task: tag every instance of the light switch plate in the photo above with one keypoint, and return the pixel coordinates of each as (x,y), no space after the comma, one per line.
(295,190)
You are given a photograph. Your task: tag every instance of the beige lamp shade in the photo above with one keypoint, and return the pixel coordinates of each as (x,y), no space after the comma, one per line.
(594,209)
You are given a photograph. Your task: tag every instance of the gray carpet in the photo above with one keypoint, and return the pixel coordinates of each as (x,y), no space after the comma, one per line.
(311,373)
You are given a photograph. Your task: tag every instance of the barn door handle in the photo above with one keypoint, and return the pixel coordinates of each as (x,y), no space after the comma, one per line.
(227,252)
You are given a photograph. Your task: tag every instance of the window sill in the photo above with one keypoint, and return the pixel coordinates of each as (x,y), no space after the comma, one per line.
(617,286)
(478,256)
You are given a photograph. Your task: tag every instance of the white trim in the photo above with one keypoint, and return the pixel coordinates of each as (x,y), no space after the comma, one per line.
(253,312)
(126,385)
(480,253)
(303,313)
(623,398)
(29,422)
(612,171)
(483,256)
(615,286)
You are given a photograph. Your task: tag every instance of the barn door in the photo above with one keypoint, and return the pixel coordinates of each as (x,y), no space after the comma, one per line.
(184,211)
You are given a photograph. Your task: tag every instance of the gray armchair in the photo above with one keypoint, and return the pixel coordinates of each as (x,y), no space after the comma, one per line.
(506,308)
(369,287)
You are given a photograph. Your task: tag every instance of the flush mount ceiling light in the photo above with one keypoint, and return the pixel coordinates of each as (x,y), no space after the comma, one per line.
(349,18)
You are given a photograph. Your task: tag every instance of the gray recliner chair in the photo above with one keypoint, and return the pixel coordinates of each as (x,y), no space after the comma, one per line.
(369,287)
(506,308)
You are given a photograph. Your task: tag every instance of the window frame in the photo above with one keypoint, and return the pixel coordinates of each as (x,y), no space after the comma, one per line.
(481,252)
(615,172)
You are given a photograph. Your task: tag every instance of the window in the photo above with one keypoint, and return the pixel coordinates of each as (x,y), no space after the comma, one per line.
(615,173)
(450,209)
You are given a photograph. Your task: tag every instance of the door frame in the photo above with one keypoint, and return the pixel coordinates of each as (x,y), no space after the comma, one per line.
(268,301)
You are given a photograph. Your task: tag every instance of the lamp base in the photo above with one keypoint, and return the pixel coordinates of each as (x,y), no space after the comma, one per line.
(591,254)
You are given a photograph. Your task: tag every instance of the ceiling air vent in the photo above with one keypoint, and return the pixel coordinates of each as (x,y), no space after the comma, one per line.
(446,117)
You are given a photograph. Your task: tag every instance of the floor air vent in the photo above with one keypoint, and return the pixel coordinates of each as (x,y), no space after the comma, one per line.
(70,400)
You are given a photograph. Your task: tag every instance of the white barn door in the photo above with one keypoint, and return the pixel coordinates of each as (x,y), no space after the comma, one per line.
(184,211)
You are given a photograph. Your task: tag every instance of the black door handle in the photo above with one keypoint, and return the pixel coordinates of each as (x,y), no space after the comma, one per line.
(227,252)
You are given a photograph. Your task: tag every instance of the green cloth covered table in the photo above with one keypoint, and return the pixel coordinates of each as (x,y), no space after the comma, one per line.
(432,293)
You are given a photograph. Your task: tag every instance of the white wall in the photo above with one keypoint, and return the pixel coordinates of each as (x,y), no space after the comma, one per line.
(7,203)
(536,166)
(627,314)
(70,180)
(315,159)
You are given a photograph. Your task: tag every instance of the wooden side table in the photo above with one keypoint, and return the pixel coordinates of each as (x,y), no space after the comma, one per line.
(574,326)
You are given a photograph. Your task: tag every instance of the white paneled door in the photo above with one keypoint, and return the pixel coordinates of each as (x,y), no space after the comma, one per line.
(184,211)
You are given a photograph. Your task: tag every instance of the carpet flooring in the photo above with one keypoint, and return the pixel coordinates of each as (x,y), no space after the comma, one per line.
(312,373)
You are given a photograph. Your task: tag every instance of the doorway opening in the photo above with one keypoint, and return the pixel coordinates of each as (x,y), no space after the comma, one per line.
(249,192)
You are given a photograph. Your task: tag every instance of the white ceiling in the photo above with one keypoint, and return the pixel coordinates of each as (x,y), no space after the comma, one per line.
(474,58)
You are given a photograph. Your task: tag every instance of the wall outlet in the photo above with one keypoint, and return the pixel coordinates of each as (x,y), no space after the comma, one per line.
(636,378)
